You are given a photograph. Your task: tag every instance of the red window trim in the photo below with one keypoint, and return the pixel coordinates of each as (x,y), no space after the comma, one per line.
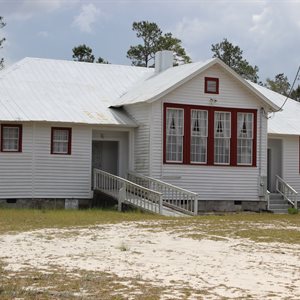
(207,79)
(20,137)
(210,138)
(69,140)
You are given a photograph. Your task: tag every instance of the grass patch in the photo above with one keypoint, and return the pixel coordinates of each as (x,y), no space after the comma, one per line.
(61,284)
(262,227)
(30,219)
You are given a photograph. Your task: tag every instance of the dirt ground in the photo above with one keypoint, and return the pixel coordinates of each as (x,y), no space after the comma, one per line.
(175,261)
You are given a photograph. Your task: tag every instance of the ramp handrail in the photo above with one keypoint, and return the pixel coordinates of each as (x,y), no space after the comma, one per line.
(288,193)
(173,196)
(127,192)
(267,198)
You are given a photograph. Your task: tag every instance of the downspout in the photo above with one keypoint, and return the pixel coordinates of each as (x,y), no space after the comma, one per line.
(260,142)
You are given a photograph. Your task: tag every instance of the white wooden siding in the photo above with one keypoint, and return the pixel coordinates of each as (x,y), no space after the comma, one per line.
(35,173)
(16,169)
(211,182)
(290,160)
(141,113)
(62,176)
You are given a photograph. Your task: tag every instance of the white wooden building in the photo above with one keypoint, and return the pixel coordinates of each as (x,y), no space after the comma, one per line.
(199,127)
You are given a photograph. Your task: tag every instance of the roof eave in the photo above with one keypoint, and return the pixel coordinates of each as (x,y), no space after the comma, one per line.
(272,106)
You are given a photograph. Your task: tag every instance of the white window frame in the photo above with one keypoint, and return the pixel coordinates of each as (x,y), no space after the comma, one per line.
(221,138)
(179,136)
(248,137)
(203,134)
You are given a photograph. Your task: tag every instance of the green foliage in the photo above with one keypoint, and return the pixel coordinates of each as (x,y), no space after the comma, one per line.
(296,94)
(101,60)
(85,53)
(233,57)
(280,84)
(154,40)
(293,211)
(2,24)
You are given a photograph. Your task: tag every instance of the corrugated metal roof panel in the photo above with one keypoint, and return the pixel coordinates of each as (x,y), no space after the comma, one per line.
(159,84)
(66,91)
(286,121)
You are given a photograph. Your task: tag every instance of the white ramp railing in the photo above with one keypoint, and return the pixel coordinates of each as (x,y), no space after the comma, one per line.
(173,196)
(288,193)
(127,192)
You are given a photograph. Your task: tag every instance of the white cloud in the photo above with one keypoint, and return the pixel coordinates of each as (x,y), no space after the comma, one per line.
(26,9)
(87,17)
(43,34)
(191,30)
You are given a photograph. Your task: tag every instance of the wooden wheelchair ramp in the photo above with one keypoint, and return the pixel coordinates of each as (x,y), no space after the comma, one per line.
(170,201)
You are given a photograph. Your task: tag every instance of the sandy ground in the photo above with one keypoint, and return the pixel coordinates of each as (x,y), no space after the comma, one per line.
(233,268)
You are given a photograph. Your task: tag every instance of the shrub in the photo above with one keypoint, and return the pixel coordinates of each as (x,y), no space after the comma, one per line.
(293,210)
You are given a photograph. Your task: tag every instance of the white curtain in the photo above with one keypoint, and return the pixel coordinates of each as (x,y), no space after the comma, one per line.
(222,124)
(198,147)
(174,143)
(245,138)
(199,123)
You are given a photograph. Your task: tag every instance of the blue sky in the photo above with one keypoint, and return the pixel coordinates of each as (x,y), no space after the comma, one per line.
(267,31)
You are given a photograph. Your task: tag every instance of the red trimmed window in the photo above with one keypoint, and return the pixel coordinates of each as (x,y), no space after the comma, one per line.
(211,85)
(11,138)
(61,140)
(209,135)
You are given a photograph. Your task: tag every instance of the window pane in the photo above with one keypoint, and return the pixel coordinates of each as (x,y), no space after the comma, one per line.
(10,139)
(222,151)
(198,149)
(174,132)
(61,135)
(222,134)
(211,86)
(245,125)
(222,124)
(245,138)
(244,151)
(60,141)
(198,136)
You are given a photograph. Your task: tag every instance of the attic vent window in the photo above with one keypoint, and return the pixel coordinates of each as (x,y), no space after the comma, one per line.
(211,85)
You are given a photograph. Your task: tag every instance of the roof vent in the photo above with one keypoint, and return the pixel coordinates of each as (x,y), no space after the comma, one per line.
(163,60)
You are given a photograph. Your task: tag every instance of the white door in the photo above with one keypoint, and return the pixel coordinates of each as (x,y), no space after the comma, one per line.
(274,162)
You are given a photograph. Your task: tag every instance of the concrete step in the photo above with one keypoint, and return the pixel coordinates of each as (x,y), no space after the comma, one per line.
(275,196)
(279,211)
(279,206)
(277,201)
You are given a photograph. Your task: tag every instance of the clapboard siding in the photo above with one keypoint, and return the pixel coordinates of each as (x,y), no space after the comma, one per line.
(211,182)
(16,169)
(141,114)
(62,176)
(35,173)
(290,163)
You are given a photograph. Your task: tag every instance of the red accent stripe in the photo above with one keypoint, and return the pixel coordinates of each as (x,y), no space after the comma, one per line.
(210,139)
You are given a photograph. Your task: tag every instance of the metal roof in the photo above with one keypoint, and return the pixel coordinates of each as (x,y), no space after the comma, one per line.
(285,121)
(37,89)
(160,84)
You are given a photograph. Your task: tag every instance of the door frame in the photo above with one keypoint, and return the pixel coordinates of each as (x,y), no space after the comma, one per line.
(119,152)
(270,162)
